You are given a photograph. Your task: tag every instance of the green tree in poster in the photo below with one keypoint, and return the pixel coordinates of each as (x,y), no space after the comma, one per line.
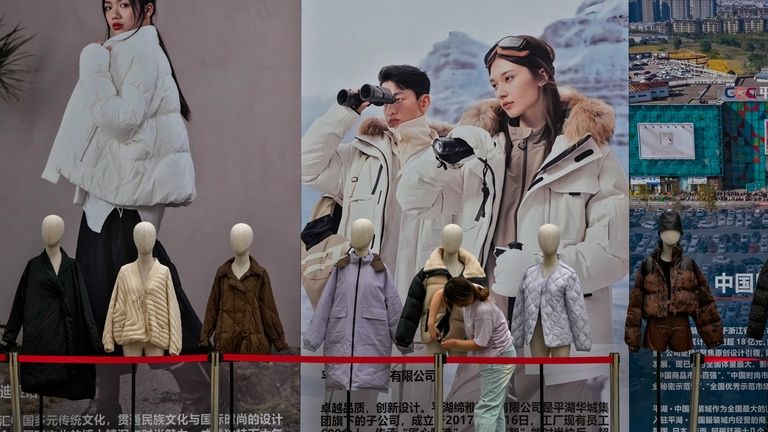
(677,42)
(705,45)
(642,193)
(708,196)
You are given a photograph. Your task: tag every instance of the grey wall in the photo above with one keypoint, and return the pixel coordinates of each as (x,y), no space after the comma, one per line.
(237,62)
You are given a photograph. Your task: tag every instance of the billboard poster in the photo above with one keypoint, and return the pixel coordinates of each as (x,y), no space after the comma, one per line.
(356,160)
(666,141)
(238,70)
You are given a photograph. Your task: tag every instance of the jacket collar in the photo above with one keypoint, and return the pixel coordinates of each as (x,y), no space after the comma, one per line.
(226,270)
(585,116)
(472,267)
(565,158)
(373,259)
(144,34)
(65,261)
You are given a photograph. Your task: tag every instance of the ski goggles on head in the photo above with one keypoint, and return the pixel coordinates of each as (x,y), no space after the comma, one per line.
(510,46)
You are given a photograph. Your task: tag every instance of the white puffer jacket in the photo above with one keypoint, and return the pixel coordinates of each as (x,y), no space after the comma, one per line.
(122,137)
(559,301)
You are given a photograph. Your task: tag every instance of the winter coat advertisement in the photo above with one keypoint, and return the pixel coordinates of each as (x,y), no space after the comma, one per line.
(173,112)
(375,158)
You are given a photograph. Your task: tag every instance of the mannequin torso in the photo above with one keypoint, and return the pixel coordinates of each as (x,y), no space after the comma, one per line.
(549,240)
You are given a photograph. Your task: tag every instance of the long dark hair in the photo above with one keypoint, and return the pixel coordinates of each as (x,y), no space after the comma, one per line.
(541,56)
(139,8)
(460,291)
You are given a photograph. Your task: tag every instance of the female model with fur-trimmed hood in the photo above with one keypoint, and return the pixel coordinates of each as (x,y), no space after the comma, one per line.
(540,156)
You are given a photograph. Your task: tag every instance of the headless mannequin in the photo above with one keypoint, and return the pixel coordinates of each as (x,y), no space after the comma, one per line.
(452,237)
(241,238)
(144,235)
(361,236)
(549,240)
(53,231)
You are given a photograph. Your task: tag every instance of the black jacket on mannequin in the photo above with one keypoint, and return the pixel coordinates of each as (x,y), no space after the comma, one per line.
(57,320)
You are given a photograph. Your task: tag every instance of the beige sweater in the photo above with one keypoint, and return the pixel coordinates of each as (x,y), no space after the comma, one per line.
(139,313)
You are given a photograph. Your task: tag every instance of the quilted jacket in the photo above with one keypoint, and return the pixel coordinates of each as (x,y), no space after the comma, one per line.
(356,316)
(143,314)
(560,302)
(241,314)
(689,296)
(425,284)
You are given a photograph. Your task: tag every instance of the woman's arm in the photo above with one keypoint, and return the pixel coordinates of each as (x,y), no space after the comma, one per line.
(463,345)
(434,307)
(602,257)
(120,112)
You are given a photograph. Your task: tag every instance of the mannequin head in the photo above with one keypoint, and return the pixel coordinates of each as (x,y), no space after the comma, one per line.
(241,238)
(144,235)
(670,237)
(452,237)
(362,235)
(52,230)
(549,239)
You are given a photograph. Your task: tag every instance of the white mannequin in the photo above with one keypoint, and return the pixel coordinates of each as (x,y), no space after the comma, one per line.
(549,240)
(669,239)
(144,236)
(53,231)
(361,237)
(452,237)
(241,238)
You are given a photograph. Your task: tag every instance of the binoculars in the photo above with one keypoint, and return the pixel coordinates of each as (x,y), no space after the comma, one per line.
(373,94)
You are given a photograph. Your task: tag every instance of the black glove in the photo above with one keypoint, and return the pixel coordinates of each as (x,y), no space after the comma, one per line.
(451,151)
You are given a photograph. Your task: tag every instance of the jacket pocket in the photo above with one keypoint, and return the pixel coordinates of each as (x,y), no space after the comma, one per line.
(89,156)
(373,328)
(569,197)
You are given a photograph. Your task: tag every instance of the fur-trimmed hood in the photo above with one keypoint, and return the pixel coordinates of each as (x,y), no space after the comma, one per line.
(587,116)
(472,267)
(377,127)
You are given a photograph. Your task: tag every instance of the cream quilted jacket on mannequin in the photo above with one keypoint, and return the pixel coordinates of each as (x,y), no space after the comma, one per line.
(139,313)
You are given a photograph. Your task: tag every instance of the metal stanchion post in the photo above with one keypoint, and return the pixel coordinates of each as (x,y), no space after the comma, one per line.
(693,423)
(13,367)
(439,360)
(215,392)
(615,401)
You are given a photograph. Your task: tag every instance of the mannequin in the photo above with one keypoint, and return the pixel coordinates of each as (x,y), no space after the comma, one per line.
(154,326)
(51,305)
(241,238)
(241,313)
(452,236)
(361,236)
(53,231)
(549,240)
(668,281)
(144,236)
(356,316)
(551,290)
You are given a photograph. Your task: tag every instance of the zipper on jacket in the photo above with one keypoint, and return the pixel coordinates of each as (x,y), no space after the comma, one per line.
(524,148)
(384,210)
(378,177)
(354,319)
(87,145)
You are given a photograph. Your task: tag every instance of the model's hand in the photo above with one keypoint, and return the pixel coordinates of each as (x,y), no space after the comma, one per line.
(450,343)
(362,106)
